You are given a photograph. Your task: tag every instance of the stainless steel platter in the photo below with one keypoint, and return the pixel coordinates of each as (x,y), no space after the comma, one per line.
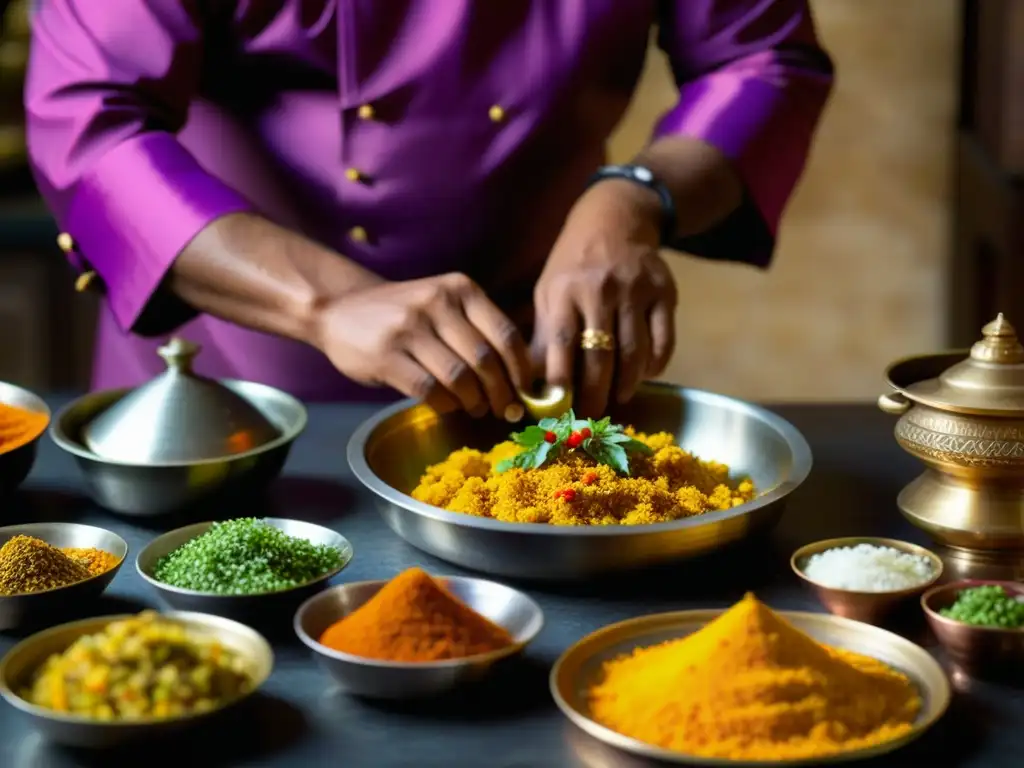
(580,666)
(389,452)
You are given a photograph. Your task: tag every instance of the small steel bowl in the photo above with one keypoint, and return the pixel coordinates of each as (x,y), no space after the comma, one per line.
(34,607)
(262,607)
(145,490)
(25,658)
(869,607)
(373,678)
(15,465)
(986,652)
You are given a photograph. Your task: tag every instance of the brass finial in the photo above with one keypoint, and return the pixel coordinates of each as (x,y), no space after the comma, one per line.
(1000,343)
(178,353)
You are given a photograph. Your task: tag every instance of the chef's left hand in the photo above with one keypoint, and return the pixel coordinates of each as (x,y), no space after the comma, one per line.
(605,275)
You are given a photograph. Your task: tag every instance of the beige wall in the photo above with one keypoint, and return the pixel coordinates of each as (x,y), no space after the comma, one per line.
(858,277)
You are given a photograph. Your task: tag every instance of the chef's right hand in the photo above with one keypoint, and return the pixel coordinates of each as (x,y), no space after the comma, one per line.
(439,339)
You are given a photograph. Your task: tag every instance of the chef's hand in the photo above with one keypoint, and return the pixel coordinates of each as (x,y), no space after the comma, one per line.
(439,339)
(605,275)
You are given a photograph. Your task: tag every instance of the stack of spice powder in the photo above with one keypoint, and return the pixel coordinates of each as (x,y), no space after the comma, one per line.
(28,564)
(413,618)
(749,686)
(19,426)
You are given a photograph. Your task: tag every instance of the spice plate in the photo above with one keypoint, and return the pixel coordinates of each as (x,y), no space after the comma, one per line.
(17,610)
(78,731)
(580,666)
(389,452)
(263,606)
(373,678)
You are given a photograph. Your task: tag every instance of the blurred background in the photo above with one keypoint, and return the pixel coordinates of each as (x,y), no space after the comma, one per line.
(901,239)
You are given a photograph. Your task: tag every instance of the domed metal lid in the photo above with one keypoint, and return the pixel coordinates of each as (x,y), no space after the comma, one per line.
(179,416)
(990,380)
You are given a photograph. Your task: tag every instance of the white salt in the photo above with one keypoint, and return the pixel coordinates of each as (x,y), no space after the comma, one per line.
(868,568)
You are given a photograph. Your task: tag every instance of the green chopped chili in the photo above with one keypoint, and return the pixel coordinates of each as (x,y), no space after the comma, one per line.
(245,557)
(987,606)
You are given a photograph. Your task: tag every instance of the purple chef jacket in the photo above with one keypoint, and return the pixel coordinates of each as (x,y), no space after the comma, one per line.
(416,137)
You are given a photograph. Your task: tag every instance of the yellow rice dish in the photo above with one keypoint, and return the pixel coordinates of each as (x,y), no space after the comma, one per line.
(572,488)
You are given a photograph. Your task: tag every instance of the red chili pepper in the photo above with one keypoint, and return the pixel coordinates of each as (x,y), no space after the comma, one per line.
(550,437)
(586,432)
(574,440)
(590,478)
(567,494)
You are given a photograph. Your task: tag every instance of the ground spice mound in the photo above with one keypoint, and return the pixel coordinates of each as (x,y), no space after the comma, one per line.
(28,564)
(668,485)
(19,426)
(414,618)
(96,561)
(750,686)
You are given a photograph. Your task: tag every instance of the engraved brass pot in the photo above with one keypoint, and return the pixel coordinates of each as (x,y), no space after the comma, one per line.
(963,416)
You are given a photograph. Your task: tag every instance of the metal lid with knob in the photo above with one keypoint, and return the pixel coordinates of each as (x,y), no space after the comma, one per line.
(989,381)
(178,417)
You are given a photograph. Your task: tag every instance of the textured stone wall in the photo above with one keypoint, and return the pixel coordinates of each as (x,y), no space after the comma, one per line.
(858,278)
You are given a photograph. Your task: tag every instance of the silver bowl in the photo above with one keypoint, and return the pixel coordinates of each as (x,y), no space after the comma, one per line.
(373,678)
(32,607)
(156,489)
(15,465)
(389,452)
(26,657)
(261,606)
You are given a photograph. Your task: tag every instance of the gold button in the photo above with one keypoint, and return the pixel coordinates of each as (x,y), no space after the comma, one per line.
(84,280)
(65,243)
(366,112)
(358,234)
(496,113)
(354,174)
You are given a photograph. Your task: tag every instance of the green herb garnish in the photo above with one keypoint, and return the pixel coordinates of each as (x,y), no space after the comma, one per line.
(604,442)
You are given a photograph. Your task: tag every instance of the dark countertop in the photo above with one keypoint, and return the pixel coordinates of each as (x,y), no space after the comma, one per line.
(511,721)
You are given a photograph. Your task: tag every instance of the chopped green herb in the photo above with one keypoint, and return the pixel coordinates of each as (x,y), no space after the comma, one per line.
(604,442)
(245,557)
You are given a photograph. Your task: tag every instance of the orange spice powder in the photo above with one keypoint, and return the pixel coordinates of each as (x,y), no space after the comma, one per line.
(414,618)
(19,426)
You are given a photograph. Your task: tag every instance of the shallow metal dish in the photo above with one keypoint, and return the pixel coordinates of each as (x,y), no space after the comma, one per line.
(155,489)
(871,607)
(994,653)
(505,606)
(34,607)
(389,452)
(25,658)
(262,606)
(15,465)
(580,667)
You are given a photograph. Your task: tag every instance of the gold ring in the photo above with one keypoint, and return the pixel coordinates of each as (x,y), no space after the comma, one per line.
(593,340)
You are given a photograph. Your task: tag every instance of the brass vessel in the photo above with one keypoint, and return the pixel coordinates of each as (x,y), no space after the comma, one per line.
(963,416)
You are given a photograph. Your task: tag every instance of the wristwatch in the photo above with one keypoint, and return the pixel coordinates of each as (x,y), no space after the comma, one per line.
(645,177)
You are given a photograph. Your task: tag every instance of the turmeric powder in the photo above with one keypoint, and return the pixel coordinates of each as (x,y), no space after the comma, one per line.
(19,426)
(668,484)
(750,686)
(413,618)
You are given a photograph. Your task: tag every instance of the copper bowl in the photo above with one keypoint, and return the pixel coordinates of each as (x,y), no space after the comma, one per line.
(991,652)
(869,607)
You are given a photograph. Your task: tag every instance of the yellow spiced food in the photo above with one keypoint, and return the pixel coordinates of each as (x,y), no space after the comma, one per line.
(572,471)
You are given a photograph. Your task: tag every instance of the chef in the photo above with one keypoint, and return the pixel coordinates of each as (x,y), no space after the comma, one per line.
(345,198)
